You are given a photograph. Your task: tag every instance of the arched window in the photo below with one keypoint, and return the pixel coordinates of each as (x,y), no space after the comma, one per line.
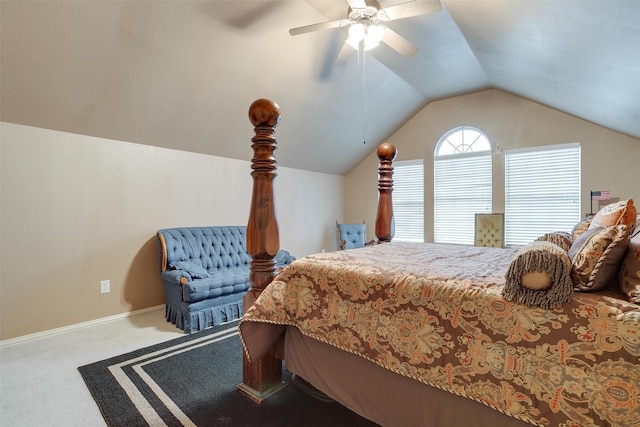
(463,139)
(462,184)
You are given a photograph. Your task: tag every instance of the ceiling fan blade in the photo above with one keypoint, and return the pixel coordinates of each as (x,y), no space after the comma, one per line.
(357,4)
(399,43)
(321,26)
(345,54)
(407,10)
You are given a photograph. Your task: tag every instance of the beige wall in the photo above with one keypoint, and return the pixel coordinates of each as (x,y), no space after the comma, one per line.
(77,210)
(609,159)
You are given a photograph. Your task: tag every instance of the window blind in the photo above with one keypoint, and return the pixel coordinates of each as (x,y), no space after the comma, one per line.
(408,200)
(542,192)
(462,188)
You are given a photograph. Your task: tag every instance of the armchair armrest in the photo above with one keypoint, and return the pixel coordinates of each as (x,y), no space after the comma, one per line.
(179,277)
(184,272)
(283,258)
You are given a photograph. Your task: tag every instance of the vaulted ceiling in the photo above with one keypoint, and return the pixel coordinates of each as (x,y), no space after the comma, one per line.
(182,74)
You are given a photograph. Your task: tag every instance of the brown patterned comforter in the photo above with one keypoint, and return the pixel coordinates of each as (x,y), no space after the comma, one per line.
(435,313)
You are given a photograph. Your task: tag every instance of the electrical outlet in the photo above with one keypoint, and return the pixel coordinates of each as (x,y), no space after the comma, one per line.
(105,286)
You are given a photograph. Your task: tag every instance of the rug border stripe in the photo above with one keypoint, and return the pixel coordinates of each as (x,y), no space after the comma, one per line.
(138,399)
(157,390)
(109,388)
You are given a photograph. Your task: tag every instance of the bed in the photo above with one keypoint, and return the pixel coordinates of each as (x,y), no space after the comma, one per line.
(409,334)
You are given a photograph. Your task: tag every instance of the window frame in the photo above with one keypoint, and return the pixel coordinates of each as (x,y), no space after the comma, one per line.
(408,203)
(542,204)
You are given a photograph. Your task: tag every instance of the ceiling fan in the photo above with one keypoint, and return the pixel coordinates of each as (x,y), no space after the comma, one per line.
(365,20)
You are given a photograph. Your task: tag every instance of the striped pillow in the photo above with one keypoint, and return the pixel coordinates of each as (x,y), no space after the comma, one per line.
(596,256)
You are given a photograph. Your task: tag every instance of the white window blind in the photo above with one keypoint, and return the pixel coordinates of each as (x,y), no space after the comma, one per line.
(542,192)
(462,188)
(408,200)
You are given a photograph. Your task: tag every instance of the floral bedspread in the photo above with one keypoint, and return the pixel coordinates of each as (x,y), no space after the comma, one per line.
(435,313)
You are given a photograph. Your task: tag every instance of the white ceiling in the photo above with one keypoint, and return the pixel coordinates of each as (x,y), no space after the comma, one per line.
(182,74)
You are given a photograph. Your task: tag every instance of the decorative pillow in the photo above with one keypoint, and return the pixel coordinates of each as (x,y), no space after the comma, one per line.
(630,271)
(596,256)
(560,238)
(581,227)
(194,270)
(622,212)
(539,276)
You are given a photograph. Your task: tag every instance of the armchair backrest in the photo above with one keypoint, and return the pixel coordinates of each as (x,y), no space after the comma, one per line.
(351,236)
(489,230)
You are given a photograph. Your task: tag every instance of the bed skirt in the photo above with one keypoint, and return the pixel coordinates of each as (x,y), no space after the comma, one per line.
(380,395)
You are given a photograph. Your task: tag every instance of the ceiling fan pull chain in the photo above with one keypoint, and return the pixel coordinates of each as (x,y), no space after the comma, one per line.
(364,93)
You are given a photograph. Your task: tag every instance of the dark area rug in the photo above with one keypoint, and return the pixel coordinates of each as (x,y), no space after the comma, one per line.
(192,380)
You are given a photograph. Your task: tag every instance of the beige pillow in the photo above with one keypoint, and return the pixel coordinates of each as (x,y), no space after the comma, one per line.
(622,212)
(596,256)
(630,270)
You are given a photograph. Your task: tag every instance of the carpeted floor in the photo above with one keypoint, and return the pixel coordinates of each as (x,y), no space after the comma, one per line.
(192,381)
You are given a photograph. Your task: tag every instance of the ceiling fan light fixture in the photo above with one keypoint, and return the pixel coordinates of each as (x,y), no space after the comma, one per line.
(370,44)
(363,19)
(374,36)
(357,33)
(371,34)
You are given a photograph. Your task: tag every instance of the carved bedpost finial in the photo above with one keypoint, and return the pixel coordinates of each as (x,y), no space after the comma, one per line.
(263,238)
(385,226)
(264,112)
(386,151)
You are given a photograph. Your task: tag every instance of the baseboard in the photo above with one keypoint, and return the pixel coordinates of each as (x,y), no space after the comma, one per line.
(75,327)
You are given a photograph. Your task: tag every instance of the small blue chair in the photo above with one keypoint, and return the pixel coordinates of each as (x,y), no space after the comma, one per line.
(351,236)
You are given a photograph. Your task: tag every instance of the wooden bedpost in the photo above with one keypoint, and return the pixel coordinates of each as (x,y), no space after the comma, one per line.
(385,226)
(262,377)
(263,236)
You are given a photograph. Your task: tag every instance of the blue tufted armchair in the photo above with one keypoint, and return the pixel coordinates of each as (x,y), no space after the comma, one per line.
(351,236)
